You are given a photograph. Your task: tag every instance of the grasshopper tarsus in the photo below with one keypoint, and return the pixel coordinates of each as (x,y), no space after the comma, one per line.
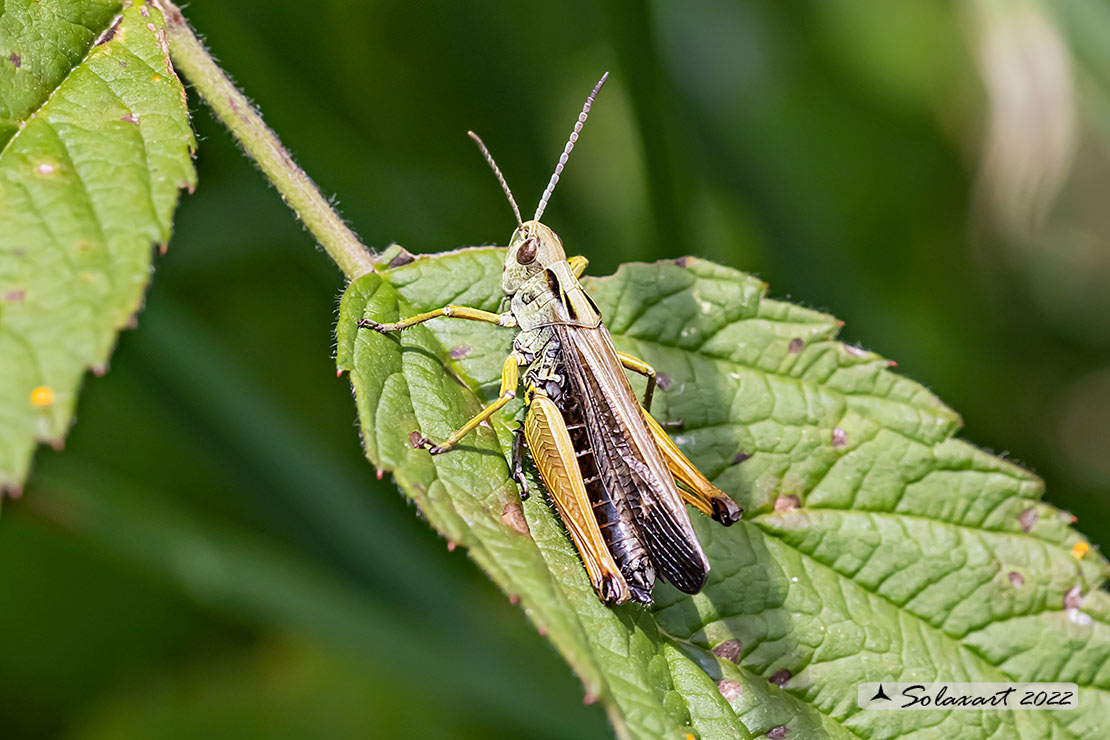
(371,324)
(420,442)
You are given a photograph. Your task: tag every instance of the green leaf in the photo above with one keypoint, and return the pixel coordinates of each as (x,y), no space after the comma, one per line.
(875,547)
(97,147)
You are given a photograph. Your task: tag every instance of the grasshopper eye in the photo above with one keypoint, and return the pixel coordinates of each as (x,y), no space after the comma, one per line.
(526,255)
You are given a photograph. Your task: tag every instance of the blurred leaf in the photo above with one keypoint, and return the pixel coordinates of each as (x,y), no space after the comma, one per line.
(236,572)
(87,185)
(876,547)
(284,689)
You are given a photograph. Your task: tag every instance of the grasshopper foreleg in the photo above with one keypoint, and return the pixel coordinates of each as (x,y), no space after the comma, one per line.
(578,265)
(449,312)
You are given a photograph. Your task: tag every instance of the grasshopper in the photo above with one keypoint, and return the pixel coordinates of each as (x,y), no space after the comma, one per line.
(618,481)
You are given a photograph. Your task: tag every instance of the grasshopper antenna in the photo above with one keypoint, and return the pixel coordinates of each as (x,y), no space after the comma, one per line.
(570,145)
(497,173)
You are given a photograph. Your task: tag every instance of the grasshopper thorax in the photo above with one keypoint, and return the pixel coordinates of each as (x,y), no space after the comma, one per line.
(533,248)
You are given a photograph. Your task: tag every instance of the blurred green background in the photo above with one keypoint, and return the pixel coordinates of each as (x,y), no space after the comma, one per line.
(212,557)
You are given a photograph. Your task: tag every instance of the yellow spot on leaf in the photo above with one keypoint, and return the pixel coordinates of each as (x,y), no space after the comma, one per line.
(157,78)
(1079,550)
(42,396)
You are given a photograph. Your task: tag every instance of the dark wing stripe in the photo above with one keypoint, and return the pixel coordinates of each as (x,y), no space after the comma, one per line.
(633,463)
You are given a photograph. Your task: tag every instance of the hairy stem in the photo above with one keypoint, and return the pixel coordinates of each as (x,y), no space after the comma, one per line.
(262,145)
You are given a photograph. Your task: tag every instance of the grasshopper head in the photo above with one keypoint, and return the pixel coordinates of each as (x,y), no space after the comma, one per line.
(533,249)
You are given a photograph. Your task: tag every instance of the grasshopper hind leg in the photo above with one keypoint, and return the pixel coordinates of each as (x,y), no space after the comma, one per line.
(695,488)
(622,541)
(554,455)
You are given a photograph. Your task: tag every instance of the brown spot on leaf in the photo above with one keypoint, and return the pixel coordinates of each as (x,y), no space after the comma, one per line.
(729,689)
(787,502)
(839,438)
(459,352)
(513,516)
(778,733)
(99,370)
(15,296)
(130,118)
(403,257)
(415,439)
(728,650)
(780,678)
(1027,519)
(16,59)
(663,381)
(1017,579)
(684,261)
(109,34)
(797,344)
(1073,598)
(740,457)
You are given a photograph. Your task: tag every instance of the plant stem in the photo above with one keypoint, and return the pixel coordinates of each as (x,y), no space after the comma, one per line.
(262,145)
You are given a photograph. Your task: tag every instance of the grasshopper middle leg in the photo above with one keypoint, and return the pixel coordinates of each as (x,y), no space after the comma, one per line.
(636,365)
(510,378)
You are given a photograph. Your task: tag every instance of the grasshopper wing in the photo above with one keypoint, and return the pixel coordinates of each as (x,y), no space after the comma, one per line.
(632,468)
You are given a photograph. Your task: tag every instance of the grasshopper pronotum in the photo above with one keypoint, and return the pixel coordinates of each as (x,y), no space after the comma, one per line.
(607,464)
